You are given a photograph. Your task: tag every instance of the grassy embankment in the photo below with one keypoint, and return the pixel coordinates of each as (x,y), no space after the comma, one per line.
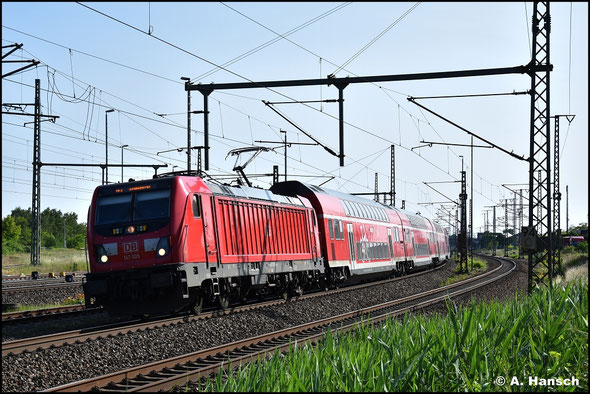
(470,349)
(478,267)
(54,260)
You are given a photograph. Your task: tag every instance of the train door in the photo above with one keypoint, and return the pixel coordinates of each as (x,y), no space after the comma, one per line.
(312,236)
(209,225)
(391,254)
(404,239)
(193,232)
(351,245)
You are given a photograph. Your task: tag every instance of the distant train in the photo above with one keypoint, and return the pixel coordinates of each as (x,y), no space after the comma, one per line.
(572,240)
(168,244)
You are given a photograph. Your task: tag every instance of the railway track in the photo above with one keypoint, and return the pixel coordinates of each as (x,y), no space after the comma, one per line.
(25,317)
(177,371)
(22,278)
(13,284)
(46,286)
(63,338)
(35,313)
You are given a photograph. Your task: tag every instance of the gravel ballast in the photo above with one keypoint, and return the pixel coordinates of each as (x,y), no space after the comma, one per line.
(44,295)
(52,367)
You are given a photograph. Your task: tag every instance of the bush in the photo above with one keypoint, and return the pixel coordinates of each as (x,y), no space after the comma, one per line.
(75,242)
(48,240)
(581,247)
(568,249)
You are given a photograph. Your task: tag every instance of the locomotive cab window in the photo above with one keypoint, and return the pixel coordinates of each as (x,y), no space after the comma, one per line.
(330,228)
(196,206)
(113,209)
(152,205)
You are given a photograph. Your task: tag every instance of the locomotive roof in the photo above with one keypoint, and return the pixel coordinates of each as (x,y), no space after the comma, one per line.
(253,193)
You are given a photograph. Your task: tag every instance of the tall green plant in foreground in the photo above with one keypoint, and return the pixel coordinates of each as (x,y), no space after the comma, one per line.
(482,347)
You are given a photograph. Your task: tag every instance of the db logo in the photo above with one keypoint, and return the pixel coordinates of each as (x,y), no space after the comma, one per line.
(129,247)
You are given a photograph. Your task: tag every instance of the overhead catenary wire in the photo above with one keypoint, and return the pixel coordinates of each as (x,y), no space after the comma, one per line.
(346,63)
(332,116)
(93,56)
(278,38)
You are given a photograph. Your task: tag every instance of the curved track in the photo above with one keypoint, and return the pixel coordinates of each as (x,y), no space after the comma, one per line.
(63,338)
(166,374)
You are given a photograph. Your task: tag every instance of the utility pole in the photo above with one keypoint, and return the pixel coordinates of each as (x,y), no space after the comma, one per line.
(494,233)
(463,234)
(538,239)
(64,231)
(106,145)
(392,187)
(36,202)
(521,223)
(471,209)
(567,216)
(505,228)
(376,198)
(514,216)
(188,124)
(285,131)
(122,146)
(557,192)
(36,189)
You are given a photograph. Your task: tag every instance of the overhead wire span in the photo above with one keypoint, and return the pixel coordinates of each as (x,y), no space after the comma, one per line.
(271,90)
(270,42)
(375,39)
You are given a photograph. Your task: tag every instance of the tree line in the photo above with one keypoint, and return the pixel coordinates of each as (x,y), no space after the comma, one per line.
(55,228)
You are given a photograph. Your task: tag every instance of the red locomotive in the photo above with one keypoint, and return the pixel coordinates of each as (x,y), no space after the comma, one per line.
(170,243)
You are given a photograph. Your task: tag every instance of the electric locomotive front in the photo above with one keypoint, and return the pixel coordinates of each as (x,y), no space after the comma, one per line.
(132,229)
(169,244)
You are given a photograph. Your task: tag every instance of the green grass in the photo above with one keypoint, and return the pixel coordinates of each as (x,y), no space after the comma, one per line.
(479,267)
(52,260)
(544,335)
(573,259)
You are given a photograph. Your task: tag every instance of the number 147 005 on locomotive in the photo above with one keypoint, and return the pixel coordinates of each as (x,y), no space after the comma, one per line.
(170,244)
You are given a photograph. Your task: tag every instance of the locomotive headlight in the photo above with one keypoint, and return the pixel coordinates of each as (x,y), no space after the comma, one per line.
(101,254)
(163,247)
(130,230)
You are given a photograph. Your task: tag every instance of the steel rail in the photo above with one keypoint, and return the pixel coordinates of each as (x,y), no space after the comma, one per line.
(18,284)
(17,289)
(26,317)
(177,371)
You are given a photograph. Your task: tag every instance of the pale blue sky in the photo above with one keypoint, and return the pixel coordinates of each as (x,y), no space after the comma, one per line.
(431,37)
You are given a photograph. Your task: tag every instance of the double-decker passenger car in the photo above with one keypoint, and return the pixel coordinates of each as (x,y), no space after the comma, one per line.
(361,237)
